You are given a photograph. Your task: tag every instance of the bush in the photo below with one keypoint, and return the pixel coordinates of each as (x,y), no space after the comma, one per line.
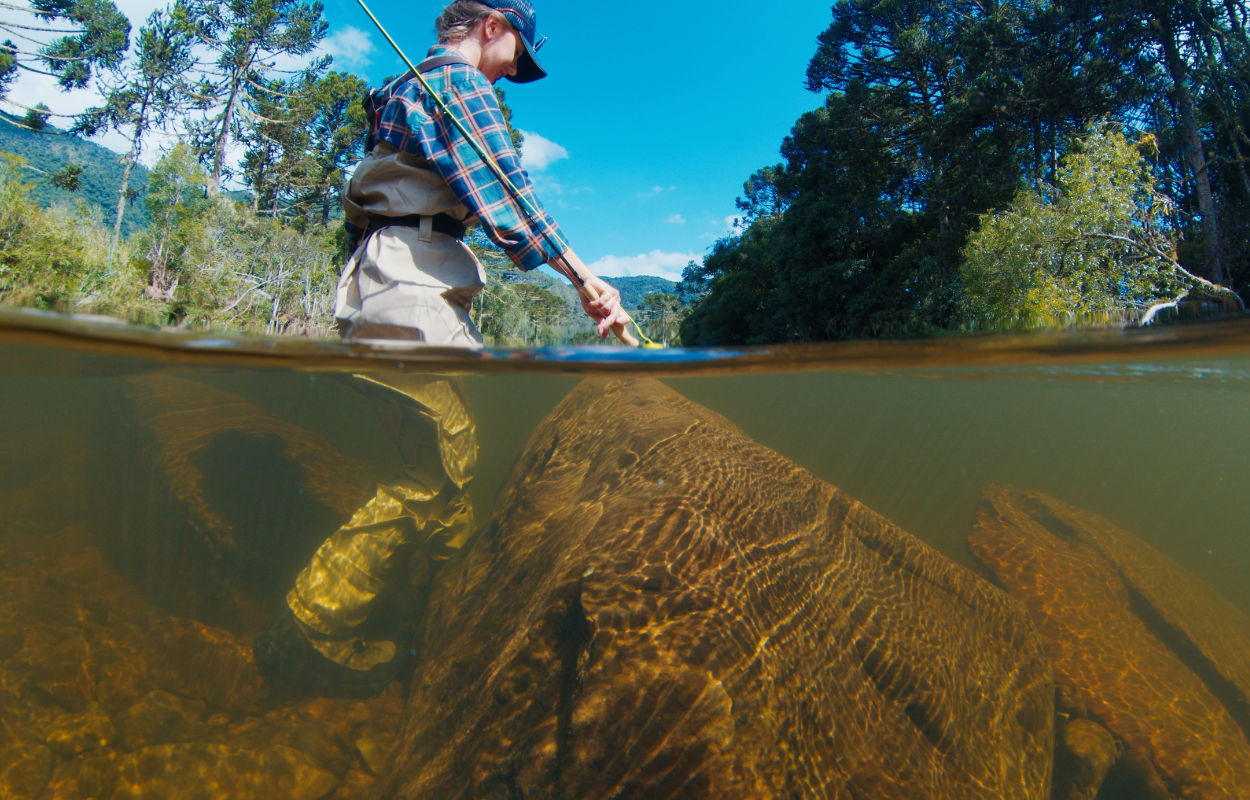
(1099,244)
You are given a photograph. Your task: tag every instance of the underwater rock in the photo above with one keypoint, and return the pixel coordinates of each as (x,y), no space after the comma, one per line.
(199,771)
(1084,751)
(72,733)
(123,683)
(63,668)
(662,607)
(1133,777)
(212,503)
(1193,618)
(25,768)
(1128,679)
(196,661)
(161,718)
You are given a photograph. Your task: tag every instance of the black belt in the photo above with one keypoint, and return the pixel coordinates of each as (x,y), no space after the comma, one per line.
(443,223)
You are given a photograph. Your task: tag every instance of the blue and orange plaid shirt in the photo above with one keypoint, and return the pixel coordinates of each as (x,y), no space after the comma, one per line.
(411,122)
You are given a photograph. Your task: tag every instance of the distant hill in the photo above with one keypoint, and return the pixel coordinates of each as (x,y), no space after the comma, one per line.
(51,149)
(632,289)
(635,288)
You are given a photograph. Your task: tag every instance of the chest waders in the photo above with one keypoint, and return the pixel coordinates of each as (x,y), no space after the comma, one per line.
(347,624)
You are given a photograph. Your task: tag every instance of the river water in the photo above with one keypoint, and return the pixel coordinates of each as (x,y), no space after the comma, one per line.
(163,494)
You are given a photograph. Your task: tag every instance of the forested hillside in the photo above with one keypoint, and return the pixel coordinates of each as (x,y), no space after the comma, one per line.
(51,149)
(937,114)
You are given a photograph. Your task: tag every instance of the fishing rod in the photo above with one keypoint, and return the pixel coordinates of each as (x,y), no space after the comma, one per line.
(534,216)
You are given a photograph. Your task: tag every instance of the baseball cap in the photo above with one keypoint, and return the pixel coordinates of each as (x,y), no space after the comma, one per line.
(520,13)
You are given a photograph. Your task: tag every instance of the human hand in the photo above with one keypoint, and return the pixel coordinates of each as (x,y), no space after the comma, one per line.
(605,307)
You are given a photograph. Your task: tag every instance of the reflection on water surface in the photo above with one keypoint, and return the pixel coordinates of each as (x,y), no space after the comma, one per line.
(238,568)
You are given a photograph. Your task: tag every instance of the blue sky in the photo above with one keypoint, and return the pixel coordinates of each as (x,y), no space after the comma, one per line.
(663,109)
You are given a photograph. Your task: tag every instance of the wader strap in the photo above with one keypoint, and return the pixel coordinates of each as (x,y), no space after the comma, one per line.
(439,223)
(441,61)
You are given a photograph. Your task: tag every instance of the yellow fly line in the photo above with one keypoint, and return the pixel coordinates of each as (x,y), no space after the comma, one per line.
(535,217)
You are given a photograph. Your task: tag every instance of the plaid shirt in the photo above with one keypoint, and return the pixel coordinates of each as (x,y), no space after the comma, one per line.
(411,122)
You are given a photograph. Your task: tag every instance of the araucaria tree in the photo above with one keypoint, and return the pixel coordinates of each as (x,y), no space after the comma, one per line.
(306,135)
(246,36)
(148,94)
(68,39)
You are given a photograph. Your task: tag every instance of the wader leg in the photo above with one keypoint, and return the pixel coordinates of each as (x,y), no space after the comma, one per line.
(426,509)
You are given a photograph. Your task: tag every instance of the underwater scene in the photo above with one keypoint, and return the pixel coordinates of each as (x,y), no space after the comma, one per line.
(986,567)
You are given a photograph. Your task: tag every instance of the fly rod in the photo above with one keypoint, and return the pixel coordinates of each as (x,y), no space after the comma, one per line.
(534,216)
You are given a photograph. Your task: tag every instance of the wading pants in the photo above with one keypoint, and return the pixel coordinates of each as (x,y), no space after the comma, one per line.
(426,509)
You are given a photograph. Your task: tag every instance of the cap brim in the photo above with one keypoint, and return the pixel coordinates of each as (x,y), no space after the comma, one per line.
(528,69)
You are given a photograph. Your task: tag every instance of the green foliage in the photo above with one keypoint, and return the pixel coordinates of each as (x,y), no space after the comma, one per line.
(66,177)
(660,316)
(307,135)
(635,288)
(47,258)
(935,114)
(518,138)
(100,42)
(146,95)
(204,263)
(525,309)
(53,150)
(1101,241)
(37,118)
(246,36)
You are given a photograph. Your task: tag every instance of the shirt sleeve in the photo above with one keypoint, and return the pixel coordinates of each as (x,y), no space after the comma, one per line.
(529,239)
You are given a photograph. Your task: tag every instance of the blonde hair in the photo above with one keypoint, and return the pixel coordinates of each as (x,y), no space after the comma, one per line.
(457,19)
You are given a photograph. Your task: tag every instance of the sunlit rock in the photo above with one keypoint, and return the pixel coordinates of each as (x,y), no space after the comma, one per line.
(1084,751)
(1106,647)
(60,664)
(200,771)
(376,747)
(25,767)
(191,659)
(161,718)
(662,607)
(69,734)
(1184,609)
(355,784)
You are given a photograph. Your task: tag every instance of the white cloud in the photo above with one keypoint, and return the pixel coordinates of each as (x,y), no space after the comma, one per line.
(539,152)
(656,190)
(350,47)
(657,263)
(676,219)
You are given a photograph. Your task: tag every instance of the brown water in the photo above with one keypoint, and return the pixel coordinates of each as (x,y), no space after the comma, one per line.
(160,494)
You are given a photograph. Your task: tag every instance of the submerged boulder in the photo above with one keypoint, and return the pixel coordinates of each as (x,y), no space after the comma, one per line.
(1188,613)
(661,607)
(200,771)
(1107,644)
(209,664)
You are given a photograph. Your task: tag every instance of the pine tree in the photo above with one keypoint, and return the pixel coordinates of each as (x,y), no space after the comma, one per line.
(67,39)
(146,95)
(246,36)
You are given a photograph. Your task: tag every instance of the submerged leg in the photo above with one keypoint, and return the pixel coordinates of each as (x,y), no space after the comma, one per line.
(334,636)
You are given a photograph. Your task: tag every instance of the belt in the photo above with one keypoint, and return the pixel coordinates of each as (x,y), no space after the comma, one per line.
(441,223)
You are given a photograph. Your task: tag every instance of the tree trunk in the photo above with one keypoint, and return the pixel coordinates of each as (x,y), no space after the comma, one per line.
(223,139)
(1213,254)
(121,194)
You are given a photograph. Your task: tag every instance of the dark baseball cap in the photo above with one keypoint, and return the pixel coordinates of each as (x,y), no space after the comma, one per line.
(520,13)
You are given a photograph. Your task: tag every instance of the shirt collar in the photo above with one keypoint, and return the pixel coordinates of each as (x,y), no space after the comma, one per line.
(439,50)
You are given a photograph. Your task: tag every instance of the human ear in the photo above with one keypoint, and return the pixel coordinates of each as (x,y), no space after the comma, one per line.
(493,27)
